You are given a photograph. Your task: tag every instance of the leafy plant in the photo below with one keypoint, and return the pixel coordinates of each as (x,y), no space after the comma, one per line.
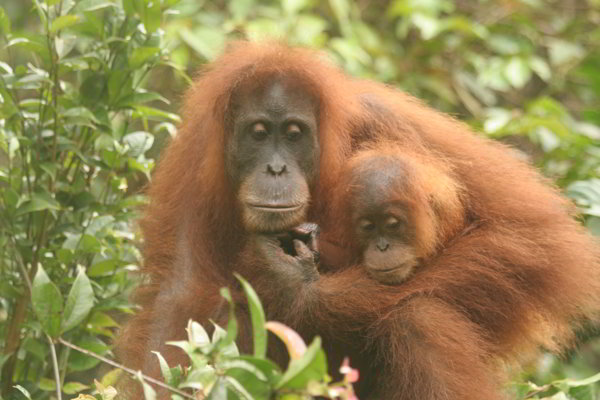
(217,370)
(75,125)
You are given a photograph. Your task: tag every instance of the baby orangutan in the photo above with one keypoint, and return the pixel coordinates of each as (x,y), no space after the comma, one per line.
(400,209)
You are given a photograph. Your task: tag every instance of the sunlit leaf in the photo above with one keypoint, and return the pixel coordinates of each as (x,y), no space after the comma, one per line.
(74,387)
(293,342)
(47,302)
(257,316)
(79,302)
(63,22)
(312,365)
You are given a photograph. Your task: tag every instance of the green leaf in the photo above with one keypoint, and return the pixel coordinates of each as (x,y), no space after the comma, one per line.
(151,15)
(81,362)
(429,26)
(11,198)
(149,393)
(93,5)
(292,7)
(47,385)
(219,390)
(270,370)
(129,7)
(197,335)
(141,97)
(138,142)
(13,146)
(119,84)
(257,315)
(250,378)
(155,113)
(311,366)
(564,52)
(207,42)
(102,320)
(540,67)
(164,367)
(232,327)
(79,302)
(203,377)
(74,387)
(141,55)
(517,72)
(23,390)
(4,23)
(80,112)
(63,22)
(47,302)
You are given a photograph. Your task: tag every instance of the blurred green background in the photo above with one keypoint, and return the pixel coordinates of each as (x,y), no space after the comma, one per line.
(89,95)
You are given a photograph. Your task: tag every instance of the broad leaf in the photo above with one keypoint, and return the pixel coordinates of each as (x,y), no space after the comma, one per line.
(47,302)
(79,302)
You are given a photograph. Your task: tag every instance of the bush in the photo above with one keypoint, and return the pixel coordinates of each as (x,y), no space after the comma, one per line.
(75,124)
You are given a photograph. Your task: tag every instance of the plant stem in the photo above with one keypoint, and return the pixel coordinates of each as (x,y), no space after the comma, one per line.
(55,368)
(128,370)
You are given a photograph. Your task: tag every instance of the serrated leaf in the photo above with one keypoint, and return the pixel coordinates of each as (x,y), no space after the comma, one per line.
(79,302)
(47,302)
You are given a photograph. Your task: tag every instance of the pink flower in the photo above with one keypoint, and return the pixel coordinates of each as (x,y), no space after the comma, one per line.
(350,374)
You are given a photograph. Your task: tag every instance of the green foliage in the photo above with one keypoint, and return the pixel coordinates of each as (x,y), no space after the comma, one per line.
(75,126)
(218,371)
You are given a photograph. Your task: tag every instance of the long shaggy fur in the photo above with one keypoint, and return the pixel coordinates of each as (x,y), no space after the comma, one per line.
(521,273)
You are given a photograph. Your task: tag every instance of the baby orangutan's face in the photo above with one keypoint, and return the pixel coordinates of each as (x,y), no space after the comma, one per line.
(386,239)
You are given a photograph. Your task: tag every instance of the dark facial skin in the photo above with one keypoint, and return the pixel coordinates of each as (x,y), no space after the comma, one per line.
(383,225)
(385,240)
(272,156)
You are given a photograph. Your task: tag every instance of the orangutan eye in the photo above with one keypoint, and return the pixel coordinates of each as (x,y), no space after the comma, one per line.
(259,131)
(293,132)
(366,226)
(392,224)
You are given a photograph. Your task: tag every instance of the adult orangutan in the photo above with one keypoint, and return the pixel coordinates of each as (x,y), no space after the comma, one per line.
(266,131)
(263,135)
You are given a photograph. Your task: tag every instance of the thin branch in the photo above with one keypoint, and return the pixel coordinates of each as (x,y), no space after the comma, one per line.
(55,368)
(128,370)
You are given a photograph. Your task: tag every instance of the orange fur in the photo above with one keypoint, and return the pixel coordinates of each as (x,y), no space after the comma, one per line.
(521,274)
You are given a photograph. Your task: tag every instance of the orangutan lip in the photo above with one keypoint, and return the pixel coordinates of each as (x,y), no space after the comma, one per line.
(388,270)
(276,207)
